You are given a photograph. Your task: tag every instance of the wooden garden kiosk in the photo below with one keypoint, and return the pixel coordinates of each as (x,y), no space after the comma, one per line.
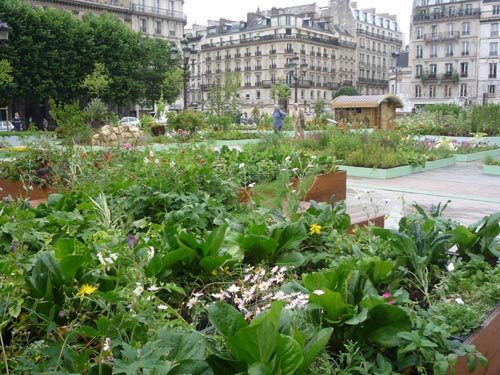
(373,111)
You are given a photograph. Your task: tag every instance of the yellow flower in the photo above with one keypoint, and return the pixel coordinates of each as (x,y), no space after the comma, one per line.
(86,289)
(315,229)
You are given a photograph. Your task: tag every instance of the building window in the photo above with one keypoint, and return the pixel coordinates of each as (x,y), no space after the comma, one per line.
(496,9)
(449,50)
(466,28)
(432,70)
(494,29)
(420,52)
(447,91)
(465,48)
(432,91)
(418,91)
(257,95)
(157,27)
(493,48)
(493,70)
(463,89)
(434,50)
(491,91)
(434,31)
(449,27)
(448,69)
(171,30)
(464,69)
(143,24)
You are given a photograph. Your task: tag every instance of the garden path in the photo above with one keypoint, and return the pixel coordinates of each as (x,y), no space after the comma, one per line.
(472,194)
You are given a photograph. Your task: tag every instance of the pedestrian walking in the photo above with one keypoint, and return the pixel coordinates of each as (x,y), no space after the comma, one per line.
(278,117)
(16,121)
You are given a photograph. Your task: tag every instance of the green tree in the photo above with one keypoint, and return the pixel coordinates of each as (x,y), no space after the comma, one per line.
(280,91)
(97,82)
(224,100)
(347,90)
(5,73)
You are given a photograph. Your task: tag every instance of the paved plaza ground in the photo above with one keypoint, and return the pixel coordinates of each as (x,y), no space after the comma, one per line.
(472,194)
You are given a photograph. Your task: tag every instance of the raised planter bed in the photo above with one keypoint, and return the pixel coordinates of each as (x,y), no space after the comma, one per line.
(323,187)
(493,170)
(378,221)
(476,155)
(385,174)
(487,341)
(16,189)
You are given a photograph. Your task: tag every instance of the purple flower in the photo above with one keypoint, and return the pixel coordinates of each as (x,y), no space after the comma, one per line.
(131,240)
(127,146)
(14,245)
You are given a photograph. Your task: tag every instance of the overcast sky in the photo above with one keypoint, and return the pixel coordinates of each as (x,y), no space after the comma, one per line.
(199,11)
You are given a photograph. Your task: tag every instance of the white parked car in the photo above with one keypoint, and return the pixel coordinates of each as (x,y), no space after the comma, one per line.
(130,121)
(6,126)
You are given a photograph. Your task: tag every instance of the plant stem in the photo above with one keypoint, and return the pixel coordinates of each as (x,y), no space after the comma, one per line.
(4,355)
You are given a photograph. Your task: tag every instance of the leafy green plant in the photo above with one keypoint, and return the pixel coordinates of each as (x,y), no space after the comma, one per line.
(187,120)
(260,347)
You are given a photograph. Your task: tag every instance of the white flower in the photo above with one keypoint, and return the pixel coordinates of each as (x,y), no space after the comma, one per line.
(153,288)
(279,295)
(450,267)
(138,290)
(219,296)
(192,301)
(107,344)
(295,170)
(151,153)
(275,269)
(287,159)
(157,161)
(319,292)
(251,185)
(151,252)
(162,307)
(233,289)
(146,160)
(459,300)
(294,191)
(241,166)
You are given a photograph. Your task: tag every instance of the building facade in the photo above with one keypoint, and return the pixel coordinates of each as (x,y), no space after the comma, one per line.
(157,18)
(306,53)
(488,56)
(314,50)
(444,39)
(378,38)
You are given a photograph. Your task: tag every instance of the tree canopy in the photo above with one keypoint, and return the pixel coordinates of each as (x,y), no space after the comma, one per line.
(347,90)
(52,53)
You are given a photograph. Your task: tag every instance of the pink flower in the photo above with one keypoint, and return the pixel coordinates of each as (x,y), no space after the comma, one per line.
(386,295)
(127,146)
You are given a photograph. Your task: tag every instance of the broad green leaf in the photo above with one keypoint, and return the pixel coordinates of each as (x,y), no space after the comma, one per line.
(292,236)
(225,318)
(358,318)
(69,266)
(155,266)
(315,346)
(53,199)
(258,368)
(258,247)
(291,259)
(384,323)
(332,303)
(471,362)
(289,356)
(213,262)
(64,246)
(381,269)
(192,367)
(183,255)
(214,240)
(256,343)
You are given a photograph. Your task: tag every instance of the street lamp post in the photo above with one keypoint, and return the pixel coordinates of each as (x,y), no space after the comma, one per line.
(296,73)
(187,53)
(396,69)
